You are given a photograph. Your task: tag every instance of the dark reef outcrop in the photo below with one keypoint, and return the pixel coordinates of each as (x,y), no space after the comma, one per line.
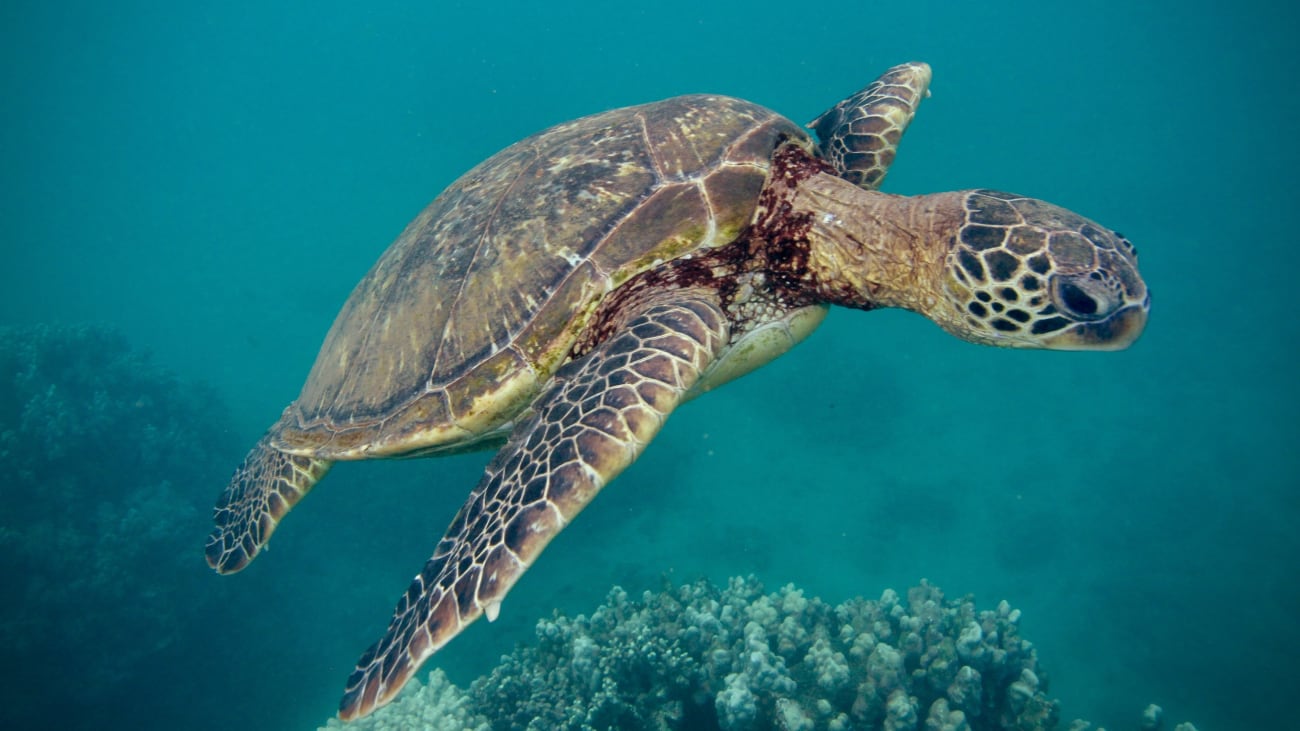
(106,466)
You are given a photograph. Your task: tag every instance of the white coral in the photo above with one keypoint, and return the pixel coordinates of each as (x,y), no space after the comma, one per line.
(434,706)
(790,716)
(1153,718)
(970,642)
(942,718)
(736,705)
(792,600)
(966,689)
(830,667)
(900,712)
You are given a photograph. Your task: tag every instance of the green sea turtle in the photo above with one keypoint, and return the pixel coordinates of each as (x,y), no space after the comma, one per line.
(564,296)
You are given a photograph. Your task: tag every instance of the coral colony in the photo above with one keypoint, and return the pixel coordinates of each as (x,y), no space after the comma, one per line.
(700,657)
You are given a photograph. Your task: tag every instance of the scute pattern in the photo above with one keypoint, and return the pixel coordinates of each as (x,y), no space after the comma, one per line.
(264,487)
(589,425)
(860,135)
(455,326)
(566,295)
(1012,249)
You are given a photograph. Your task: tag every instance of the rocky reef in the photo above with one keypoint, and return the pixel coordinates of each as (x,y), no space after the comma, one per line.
(106,465)
(702,657)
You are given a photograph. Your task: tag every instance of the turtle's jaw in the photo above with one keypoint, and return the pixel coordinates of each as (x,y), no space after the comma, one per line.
(1116,332)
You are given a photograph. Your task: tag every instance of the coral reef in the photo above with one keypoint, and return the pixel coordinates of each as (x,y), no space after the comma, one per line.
(779,661)
(700,657)
(100,455)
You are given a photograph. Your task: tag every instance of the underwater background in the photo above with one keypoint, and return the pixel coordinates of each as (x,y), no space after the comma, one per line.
(190,191)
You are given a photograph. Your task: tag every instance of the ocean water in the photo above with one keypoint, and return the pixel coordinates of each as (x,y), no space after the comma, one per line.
(210,181)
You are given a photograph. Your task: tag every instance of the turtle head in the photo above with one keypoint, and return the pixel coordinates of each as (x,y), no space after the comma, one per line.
(1020,272)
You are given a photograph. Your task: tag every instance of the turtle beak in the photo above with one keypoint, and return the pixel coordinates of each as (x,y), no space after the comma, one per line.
(1116,332)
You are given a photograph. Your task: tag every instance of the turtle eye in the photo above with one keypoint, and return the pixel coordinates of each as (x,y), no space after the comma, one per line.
(1084,298)
(1076,300)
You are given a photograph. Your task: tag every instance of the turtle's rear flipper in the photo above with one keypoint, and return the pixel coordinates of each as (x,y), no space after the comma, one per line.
(592,422)
(264,487)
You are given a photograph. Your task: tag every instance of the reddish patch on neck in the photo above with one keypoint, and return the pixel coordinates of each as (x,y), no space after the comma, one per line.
(775,244)
(779,234)
(792,164)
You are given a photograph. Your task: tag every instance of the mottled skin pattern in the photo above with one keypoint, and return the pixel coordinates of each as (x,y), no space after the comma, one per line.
(567,294)
(1017,258)
(1012,271)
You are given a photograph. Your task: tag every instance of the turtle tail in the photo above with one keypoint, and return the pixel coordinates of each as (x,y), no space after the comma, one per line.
(264,487)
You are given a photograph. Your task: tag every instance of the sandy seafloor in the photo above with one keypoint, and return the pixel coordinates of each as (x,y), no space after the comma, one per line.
(212,180)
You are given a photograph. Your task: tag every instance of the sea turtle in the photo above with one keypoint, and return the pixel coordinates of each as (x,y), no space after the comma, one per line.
(565,295)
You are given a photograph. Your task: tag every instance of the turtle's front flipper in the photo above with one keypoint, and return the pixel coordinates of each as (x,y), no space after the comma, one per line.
(860,135)
(262,490)
(589,425)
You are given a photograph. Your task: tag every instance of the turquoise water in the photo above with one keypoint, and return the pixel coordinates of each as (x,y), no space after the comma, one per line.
(213,181)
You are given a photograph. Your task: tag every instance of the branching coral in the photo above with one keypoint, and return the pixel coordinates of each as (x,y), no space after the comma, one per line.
(699,657)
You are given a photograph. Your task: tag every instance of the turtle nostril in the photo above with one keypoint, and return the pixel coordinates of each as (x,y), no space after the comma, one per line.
(1077,300)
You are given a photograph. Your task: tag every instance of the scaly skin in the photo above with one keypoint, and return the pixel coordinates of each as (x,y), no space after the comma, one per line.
(263,489)
(860,135)
(989,267)
(584,430)
(726,293)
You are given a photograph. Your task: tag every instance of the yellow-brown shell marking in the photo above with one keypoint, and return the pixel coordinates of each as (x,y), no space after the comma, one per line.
(482,297)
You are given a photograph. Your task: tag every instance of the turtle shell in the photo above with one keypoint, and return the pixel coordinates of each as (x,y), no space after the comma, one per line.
(456,327)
